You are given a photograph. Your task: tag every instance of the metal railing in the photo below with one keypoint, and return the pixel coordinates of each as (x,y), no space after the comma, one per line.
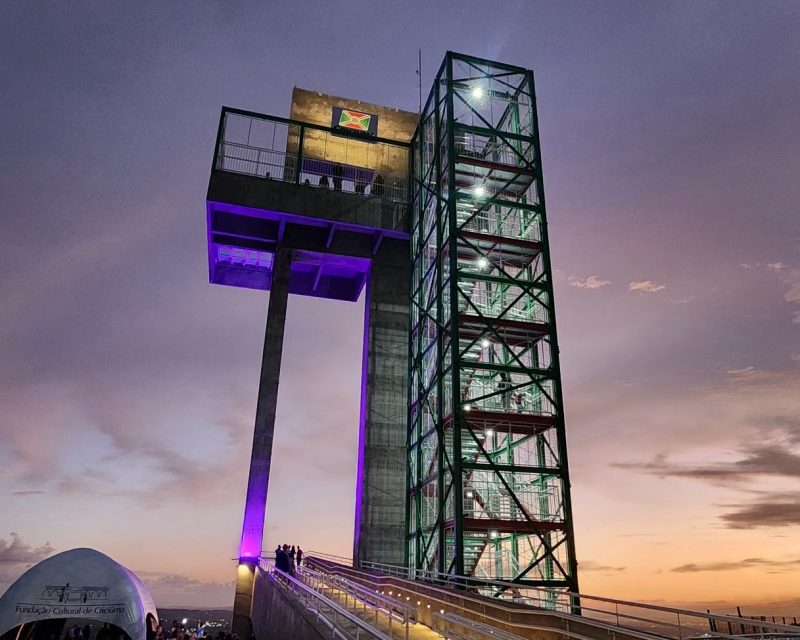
(288,150)
(449,625)
(669,622)
(395,611)
(342,623)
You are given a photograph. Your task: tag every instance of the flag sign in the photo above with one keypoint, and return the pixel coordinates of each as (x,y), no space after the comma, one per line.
(348,121)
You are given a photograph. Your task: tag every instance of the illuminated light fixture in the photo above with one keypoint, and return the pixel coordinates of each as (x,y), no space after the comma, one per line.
(441,610)
(485,343)
(482,263)
(184,621)
(419,602)
(490,432)
(470,494)
(467,407)
(493,534)
(429,606)
(477,92)
(479,191)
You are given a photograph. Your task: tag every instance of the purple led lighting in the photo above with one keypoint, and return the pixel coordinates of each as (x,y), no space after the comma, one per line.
(252,529)
(244,257)
(280,216)
(362,423)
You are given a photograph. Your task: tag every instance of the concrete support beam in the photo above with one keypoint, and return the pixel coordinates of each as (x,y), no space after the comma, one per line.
(258,481)
(381,479)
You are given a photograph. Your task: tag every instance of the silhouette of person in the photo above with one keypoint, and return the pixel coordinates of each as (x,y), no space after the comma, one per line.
(377,186)
(323,182)
(282,559)
(360,183)
(504,385)
(338,172)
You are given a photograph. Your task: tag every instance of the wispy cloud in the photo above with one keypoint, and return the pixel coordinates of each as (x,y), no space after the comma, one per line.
(592,282)
(781,509)
(765,460)
(645,286)
(588,565)
(747,563)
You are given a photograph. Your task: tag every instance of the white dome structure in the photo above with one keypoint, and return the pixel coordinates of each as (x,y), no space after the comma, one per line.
(79,583)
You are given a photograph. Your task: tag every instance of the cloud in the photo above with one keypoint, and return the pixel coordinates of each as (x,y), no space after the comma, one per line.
(28,493)
(744,373)
(176,590)
(592,282)
(645,286)
(588,565)
(789,277)
(17,551)
(769,510)
(16,556)
(747,563)
(683,300)
(764,460)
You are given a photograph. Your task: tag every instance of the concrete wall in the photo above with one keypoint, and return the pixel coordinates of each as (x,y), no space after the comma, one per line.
(276,615)
(394,124)
(380,495)
(316,108)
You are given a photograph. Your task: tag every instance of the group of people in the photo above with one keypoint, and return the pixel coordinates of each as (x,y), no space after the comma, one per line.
(286,558)
(179,631)
(106,632)
(376,187)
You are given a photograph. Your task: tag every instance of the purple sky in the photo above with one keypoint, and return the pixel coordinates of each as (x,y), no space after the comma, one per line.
(671,145)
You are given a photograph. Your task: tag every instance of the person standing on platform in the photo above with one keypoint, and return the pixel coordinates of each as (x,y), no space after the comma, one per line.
(292,553)
(338,172)
(377,186)
(504,386)
(299,555)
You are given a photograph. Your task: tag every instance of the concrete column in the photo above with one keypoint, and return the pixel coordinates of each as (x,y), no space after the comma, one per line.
(381,478)
(258,481)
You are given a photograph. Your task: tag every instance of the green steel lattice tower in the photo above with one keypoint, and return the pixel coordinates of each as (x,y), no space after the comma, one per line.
(488,480)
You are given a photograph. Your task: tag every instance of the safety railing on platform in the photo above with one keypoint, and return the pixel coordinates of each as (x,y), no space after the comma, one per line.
(287,150)
(669,622)
(378,604)
(342,623)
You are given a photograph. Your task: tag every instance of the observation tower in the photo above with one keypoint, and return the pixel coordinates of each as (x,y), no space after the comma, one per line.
(439,220)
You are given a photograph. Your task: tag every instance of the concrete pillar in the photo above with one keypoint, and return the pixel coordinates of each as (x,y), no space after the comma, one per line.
(243,600)
(258,481)
(381,477)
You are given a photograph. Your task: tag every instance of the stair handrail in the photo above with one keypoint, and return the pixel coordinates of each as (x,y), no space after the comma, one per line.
(290,582)
(583,598)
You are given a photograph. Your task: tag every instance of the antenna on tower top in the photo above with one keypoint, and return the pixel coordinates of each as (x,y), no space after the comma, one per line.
(419,80)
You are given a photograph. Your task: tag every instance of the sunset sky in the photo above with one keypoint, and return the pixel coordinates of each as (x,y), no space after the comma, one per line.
(671,152)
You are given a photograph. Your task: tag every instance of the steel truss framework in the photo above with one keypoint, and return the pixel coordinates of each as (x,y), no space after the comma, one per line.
(488,481)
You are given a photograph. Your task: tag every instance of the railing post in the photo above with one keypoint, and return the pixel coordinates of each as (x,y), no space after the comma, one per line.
(299,159)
